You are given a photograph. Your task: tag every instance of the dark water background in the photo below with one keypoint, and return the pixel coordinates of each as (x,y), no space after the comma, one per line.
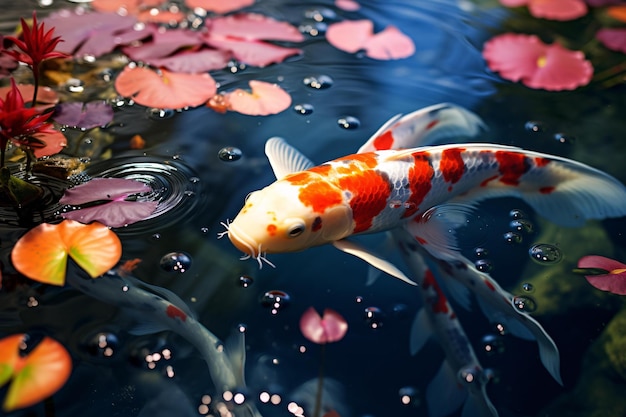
(371,365)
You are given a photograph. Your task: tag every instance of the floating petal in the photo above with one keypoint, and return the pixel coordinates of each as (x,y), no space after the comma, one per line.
(83,115)
(41,254)
(331,327)
(255,53)
(355,35)
(552,9)
(37,375)
(613,38)
(614,281)
(165,89)
(389,44)
(54,141)
(350,35)
(265,98)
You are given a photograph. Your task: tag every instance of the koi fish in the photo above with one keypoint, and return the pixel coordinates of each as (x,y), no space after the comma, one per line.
(164,310)
(397,186)
(461,379)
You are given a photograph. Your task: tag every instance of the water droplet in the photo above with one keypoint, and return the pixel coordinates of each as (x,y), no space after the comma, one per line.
(409,396)
(160,114)
(528,287)
(156,236)
(245,281)
(349,122)
(517,214)
(275,300)
(230,153)
(481,252)
(102,344)
(194,180)
(533,126)
(313,29)
(521,225)
(512,237)
(358,299)
(545,254)
(492,344)
(564,138)
(175,262)
(242,328)
(304,109)
(74,85)
(524,303)
(318,82)
(469,375)
(204,230)
(320,15)
(374,317)
(483,265)
(189,193)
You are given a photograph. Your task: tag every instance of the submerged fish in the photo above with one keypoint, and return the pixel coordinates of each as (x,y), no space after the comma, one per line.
(395,184)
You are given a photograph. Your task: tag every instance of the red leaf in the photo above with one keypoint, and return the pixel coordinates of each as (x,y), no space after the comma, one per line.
(614,281)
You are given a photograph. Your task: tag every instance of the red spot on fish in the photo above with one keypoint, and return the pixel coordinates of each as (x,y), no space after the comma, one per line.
(370,191)
(420,181)
(432,124)
(174,312)
(546,190)
(421,240)
(452,165)
(512,166)
(490,285)
(439,304)
(271,229)
(384,141)
(317,224)
(541,162)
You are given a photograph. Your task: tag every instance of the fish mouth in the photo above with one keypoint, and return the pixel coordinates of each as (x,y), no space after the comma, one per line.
(246,244)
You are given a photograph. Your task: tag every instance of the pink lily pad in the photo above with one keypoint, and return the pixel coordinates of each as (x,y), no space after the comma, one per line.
(355,35)
(613,281)
(163,44)
(193,61)
(219,6)
(348,5)
(264,99)
(124,6)
(525,58)
(257,53)
(41,254)
(253,26)
(165,89)
(36,375)
(93,33)
(113,209)
(331,327)
(553,9)
(613,38)
(84,115)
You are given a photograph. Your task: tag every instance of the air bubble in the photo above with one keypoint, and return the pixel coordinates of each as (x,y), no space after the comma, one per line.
(528,287)
(524,304)
(175,262)
(304,109)
(521,225)
(517,214)
(229,154)
(159,114)
(492,344)
(349,122)
(374,317)
(469,375)
(318,82)
(564,138)
(512,237)
(409,396)
(483,265)
(480,252)
(245,281)
(102,345)
(275,300)
(545,254)
(74,85)
(533,126)
(320,15)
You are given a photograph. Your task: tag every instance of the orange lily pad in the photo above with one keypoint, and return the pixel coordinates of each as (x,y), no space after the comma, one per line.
(41,254)
(165,89)
(36,375)
(617,12)
(264,99)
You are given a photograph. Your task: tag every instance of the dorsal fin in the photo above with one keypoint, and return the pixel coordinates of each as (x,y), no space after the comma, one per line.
(284,158)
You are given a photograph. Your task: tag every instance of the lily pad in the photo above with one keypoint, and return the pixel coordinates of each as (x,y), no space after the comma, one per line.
(36,375)
(264,99)
(41,254)
(83,115)
(108,202)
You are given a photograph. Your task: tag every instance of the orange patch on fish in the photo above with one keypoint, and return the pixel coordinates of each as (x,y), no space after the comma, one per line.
(420,181)
(384,141)
(271,229)
(320,195)
(370,191)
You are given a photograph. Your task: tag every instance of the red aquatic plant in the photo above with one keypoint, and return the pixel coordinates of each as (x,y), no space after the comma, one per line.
(527,59)
(609,275)
(20,124)
(551,9)
(36,46)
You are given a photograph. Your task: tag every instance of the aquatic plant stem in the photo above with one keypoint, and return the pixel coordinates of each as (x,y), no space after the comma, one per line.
(320,383)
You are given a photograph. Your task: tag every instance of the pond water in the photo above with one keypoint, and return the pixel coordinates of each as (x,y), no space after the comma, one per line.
(370,372)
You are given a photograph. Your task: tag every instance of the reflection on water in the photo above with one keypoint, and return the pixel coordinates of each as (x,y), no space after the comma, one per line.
(201,165)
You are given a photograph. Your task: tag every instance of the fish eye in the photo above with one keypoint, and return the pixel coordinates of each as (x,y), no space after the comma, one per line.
(296,230)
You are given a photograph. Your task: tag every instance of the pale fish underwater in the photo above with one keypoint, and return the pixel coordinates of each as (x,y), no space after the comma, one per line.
(400,184)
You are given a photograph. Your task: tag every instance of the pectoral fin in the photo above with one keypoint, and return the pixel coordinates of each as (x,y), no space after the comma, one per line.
(371,258)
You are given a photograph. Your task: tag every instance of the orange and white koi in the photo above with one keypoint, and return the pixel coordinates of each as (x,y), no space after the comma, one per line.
(386,188)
